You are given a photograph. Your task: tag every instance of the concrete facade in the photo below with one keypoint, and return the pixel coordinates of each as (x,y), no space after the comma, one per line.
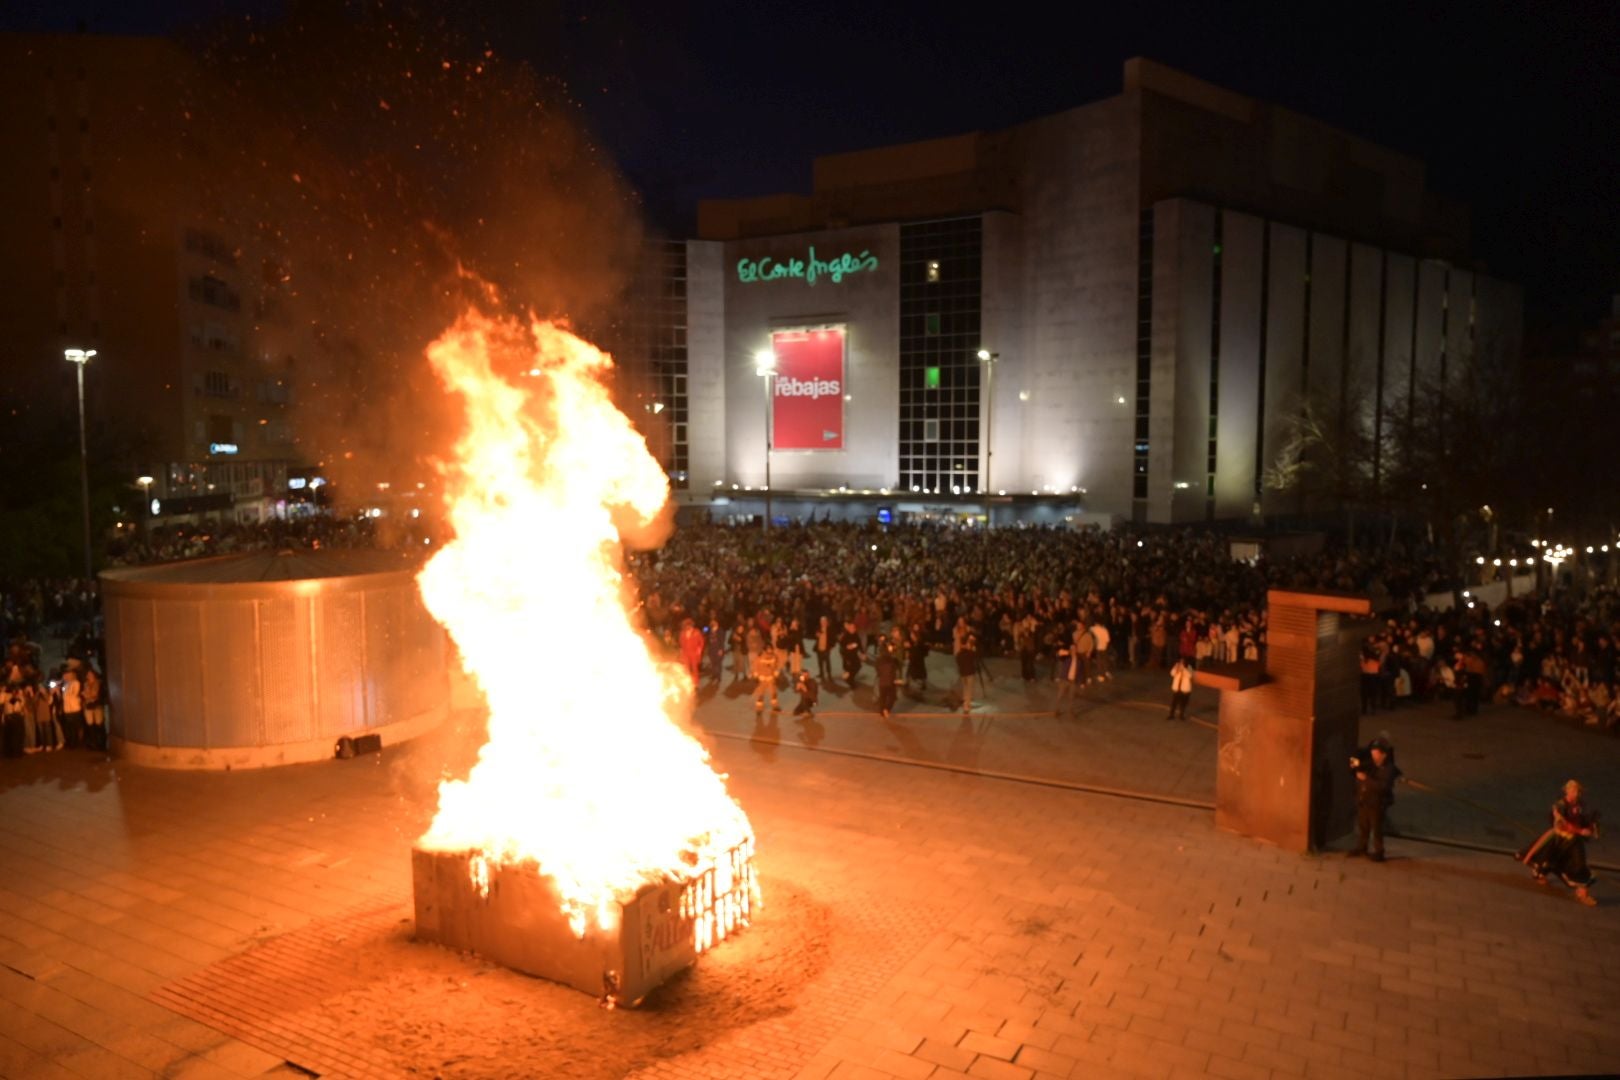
(1166,278)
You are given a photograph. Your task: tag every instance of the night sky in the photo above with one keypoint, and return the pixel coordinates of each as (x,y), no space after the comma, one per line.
(1511,106)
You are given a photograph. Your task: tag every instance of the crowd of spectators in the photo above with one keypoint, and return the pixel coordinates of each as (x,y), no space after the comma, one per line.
(168,543)
(1149,598)
(1064,602)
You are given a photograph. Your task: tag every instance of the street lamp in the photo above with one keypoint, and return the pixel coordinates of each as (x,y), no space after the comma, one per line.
(79,358)
(146,496)
(765,368)
(988,359)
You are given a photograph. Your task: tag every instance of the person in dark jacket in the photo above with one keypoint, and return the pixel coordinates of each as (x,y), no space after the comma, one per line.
(888,679)
(1374,771)
(809,695)
(917,658)
(967,668)
(850,648)
(1561,850)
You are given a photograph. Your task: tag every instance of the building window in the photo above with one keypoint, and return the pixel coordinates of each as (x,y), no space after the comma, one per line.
(1214,364)
(210,290)
(655,358)
(940,371)
(1144,353)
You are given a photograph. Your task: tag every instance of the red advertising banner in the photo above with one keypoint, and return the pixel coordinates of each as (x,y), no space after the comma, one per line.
(807,403)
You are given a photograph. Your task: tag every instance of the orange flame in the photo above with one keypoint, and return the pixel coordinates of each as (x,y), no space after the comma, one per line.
(586,771)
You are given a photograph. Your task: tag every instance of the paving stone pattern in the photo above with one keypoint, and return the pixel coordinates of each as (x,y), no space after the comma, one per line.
(199,925)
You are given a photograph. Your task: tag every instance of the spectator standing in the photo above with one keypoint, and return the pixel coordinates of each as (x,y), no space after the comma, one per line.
(691,641)
(72,706)
(917,658)
(888,679)
(1181,684)
(967,669)
(1099,657)
(95,708)
(849,650)
(1375,787)
(766,666)
(824,645)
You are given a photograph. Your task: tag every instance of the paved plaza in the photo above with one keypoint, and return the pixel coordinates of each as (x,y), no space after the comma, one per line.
(1004,895)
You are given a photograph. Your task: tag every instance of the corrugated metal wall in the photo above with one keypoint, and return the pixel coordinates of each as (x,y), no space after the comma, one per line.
(265,664)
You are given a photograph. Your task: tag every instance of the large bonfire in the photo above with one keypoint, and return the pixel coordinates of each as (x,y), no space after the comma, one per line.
(588,773)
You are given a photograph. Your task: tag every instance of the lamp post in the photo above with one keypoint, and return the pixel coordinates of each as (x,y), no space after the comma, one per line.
(765,368)
(988,359)
(78,358)
(146,497)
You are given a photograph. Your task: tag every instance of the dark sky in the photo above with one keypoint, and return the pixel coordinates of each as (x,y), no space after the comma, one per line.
(1511,105)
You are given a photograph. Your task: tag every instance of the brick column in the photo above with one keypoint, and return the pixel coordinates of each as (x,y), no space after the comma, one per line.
(1288,728)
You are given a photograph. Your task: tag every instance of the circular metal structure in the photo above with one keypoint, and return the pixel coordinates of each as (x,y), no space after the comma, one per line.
(243,661)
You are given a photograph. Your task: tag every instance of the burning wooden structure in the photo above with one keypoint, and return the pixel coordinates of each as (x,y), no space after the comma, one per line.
(509,913)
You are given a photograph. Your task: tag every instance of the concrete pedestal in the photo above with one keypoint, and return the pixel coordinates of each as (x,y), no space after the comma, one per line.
(1287,731)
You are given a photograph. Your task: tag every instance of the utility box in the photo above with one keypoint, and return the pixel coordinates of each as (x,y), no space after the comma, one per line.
(511,914)
(1288,727)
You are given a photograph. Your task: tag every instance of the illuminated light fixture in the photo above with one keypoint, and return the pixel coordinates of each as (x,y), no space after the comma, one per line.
(1496,622)
(849,397)
(1033,492)
(956,489)
(1480,560)
(1535,543)
(733,487)
(1470,604)
(765,362)
(1466,593)
(415,513)
(1074,488)
(1182,485)
(1589,549)
(914,487)
(1513,562)
(1023,395)
(883,491)
(984,354)
(222,448)
(719,483)
(1120,400)
(874,547)
(1530,559)
(1003,491)
(1496,562)
(656,407)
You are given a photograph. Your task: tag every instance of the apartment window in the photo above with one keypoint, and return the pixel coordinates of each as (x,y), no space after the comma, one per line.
(932,273)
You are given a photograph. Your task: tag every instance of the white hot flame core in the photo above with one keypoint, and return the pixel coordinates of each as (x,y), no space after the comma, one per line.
(586,771)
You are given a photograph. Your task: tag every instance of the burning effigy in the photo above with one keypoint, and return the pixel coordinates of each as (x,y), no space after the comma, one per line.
(591,843)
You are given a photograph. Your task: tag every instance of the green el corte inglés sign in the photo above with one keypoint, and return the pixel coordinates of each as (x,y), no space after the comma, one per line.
(809,269)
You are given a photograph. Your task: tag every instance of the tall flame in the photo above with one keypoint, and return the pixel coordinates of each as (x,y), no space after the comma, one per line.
(586,771)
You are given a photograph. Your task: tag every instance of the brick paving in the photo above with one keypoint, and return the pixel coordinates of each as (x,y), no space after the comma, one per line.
(1007,925)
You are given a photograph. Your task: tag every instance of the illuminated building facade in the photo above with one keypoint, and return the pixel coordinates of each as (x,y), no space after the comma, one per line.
(1156,281)
(107,250)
